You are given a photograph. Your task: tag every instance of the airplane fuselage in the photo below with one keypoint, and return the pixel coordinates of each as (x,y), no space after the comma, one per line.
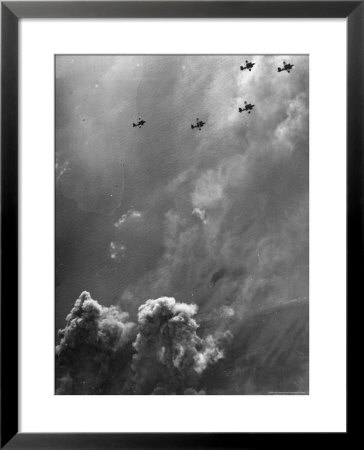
(198,125)
(249,66)
(247,108)
(286,67)
(139,124)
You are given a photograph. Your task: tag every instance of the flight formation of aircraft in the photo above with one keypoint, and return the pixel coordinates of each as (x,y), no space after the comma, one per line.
(248,107)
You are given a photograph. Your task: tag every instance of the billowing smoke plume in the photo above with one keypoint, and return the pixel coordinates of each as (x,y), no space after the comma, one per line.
(170,355)
(96,354)
(94,349)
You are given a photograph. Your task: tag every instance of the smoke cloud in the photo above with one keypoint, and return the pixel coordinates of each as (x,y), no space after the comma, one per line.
(95,343)
(166,356)
(169,352)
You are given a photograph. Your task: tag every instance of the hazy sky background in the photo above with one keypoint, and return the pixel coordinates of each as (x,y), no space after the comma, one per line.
(217,217)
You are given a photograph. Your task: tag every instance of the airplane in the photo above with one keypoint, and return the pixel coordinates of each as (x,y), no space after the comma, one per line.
(286,66)
(249,66)
(248,107)
(139,124)
(199,124)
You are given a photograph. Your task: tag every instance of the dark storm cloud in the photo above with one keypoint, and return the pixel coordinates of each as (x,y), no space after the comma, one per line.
(218,217)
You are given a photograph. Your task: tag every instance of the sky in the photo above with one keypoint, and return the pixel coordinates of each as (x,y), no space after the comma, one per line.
(217,218)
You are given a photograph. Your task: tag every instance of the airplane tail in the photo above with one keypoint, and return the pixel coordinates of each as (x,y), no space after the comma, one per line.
(240,110)
(279,69)
(192,127)
(134,125)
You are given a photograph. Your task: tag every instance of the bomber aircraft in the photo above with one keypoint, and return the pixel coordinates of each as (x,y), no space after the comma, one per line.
(286,66)
(139,124)
(248,66)
(199,124)
(248,107)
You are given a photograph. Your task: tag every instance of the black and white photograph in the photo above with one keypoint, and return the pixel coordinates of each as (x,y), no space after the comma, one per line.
(182,224)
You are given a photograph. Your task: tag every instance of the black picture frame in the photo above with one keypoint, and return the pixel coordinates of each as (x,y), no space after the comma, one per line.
(11,12)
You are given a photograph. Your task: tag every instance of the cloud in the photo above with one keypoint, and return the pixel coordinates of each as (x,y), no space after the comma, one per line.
(95,341)
(95,355)
(129,217)
(200,213)
(168,350)
(61,168)
(211,187)
(117,250)
(210,354)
